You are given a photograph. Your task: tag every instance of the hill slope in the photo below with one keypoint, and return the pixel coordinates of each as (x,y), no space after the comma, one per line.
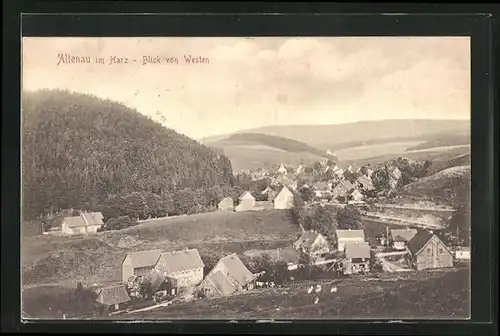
(48,259)
(450,186)
(361,132)
(257,150)
(78,148)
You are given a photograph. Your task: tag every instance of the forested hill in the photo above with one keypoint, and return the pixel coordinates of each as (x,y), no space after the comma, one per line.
(77,149)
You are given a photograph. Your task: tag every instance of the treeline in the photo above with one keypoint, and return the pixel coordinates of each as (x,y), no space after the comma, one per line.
(78,149)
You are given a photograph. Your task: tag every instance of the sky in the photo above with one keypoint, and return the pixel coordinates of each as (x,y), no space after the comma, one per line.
(253,82)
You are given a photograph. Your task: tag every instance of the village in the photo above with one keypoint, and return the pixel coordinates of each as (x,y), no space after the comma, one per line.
(156,278)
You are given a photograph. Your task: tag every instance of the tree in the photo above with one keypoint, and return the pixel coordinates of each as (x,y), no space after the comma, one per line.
(324,220)
(307,194)
(145,289)
(136,205)
(119,223)
(185,201)
(167,206)
(380,179)
(349,217)
(153,202)
(460,223)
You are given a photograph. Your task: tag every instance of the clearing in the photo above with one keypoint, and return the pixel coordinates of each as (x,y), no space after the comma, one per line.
(66,260)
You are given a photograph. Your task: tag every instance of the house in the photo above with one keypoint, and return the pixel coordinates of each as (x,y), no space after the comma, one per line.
(229,276)
(284,199)
(139,263)
(357,258)
(356,195)
(114,297)
(246,202)
(364,183)
(299,170)
(185,266)
(394,176)
(399,237)
(226,204)
(87,222)
(427,251)
(350,169)
(342,189)
(348,236)
(312,243)
(322,189)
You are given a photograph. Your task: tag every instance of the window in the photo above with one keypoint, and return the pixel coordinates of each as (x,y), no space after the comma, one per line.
(429,250)
(440,250)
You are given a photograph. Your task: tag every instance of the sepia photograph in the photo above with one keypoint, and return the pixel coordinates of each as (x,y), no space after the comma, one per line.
(245,178)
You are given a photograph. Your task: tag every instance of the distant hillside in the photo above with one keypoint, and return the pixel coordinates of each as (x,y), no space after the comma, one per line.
(361,132)
(460,160)
(254,150)
(77,149)
(442,141)
(450,186)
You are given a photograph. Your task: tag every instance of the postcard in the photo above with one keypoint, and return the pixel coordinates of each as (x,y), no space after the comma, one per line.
(245,178)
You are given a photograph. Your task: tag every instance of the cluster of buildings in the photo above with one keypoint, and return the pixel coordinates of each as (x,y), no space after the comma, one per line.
(281,199)
(422,249)
(175,273)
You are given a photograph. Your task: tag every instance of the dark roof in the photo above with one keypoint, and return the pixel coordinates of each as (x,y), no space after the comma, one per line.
(403,234)
(419,241)
(144,258)
(114,295)
(183,260)
(357,250)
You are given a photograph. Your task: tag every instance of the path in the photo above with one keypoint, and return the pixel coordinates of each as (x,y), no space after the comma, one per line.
(400,221)
(395,206)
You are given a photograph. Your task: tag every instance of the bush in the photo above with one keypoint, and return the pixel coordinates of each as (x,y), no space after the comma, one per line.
(119,223)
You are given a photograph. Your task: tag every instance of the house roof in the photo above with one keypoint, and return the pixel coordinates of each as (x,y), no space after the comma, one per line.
(74,221)
(245,194)
(321,185)
(366,182)
(285,190)
(144,258)
(350,234)
(357,250)
(307,239)
(419,241)
(356,191)
(236,269)
(182,260)
(93,218)
(403,234)
(114,295)
(221,283)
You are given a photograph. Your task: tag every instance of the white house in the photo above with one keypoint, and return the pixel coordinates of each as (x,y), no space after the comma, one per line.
(284,199)
(87,222)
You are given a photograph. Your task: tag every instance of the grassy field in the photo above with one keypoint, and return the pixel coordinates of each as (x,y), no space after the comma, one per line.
(432,294)
(98,258)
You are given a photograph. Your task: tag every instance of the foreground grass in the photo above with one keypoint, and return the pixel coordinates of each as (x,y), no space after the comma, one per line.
(67,260)
(419,295)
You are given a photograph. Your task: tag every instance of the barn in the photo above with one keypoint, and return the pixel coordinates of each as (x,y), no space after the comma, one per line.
(284,199)
(139,263)
(357,258)
(185,266)
(246,202)
(114,297)
(348,236)
(400,237)
(226,204)
(427,251)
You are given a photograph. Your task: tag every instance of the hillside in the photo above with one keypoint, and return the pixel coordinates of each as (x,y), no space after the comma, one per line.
(450,186)
(254,150)
(78,149)
(443,141)
(360,133)
(47,259)
(421,295)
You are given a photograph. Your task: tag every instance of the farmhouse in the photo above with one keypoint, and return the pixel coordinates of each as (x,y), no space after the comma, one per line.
(85,223)
(282,169)
(427,251)
(348,236)
(185,266)
(312,243)
(139,263)
(342,189)
(399,237)
(246,202)
(226,204)
(284,199)
(357,258)
(230,275)
(113,298)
